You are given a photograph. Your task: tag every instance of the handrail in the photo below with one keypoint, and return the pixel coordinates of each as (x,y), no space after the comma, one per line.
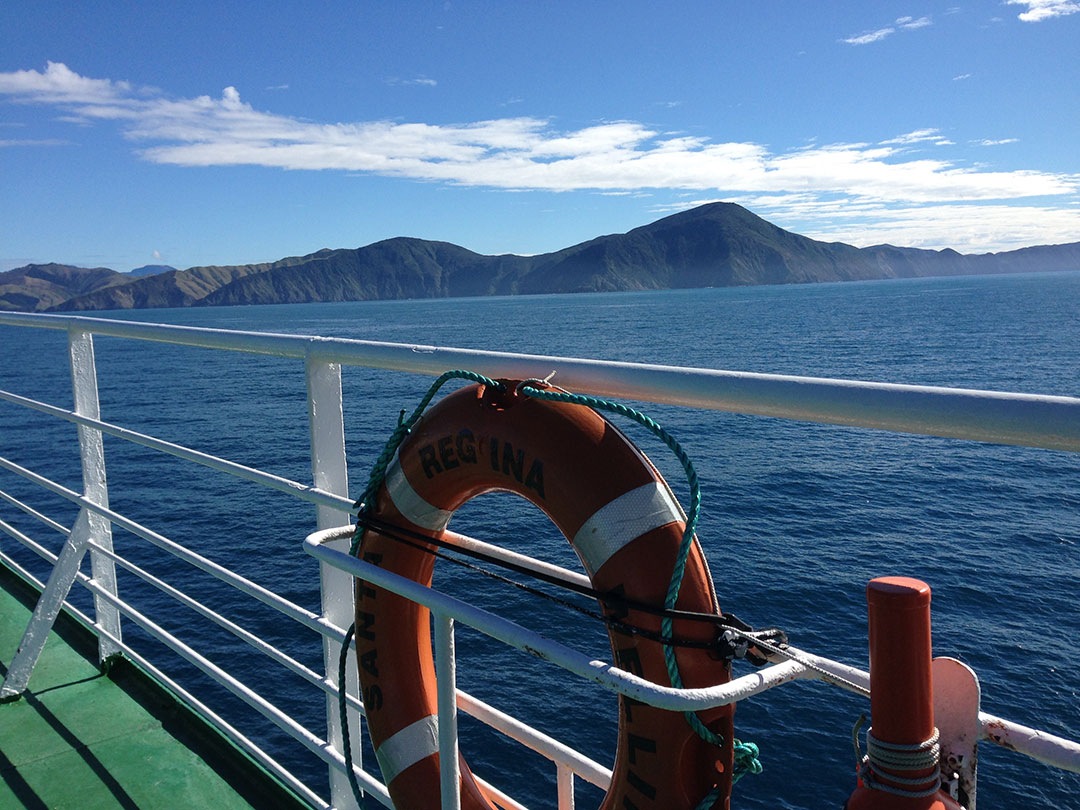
(1032,420)
(1040,745)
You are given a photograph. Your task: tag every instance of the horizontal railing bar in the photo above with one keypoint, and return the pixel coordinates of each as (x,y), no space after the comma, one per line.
(541,743)
(508,725)
(1007,418)
(285,722)
(39,584)
(299,614)
(1041,745)
(294,488)
(508,632)
(1036,744)
(252,640)
(548,747)
(506,555)
(170,684)
(502,799)
(325,753)
(48,521)
(279,483)
(28,542)
(208,714)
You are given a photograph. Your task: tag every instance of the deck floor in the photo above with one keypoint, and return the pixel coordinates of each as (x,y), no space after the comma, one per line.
(77,739)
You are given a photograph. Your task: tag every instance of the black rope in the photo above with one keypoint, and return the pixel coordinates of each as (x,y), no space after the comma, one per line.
(615,602)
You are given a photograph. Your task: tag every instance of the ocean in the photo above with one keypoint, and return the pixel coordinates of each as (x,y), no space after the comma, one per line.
(797,517)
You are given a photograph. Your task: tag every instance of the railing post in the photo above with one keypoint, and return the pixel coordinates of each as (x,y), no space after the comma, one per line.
(565,782)
(47,609)
(330,473)
(84,387)
(446,672)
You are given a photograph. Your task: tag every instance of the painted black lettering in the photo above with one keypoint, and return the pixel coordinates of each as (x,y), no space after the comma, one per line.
(366,591)
(363,622)
(617,608)
(494,454)
(535,478)
(513,464)
(466,447)
(639,743)
(428,461)
(370,662)
(627,804)
(446,453)
(643,787)
(373,557)
(373,701)
(628,658)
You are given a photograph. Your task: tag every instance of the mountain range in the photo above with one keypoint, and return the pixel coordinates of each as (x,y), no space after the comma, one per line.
(715,245)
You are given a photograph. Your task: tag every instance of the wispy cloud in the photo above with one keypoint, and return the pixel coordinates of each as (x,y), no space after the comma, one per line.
(901,24)
(395,81)
(278,87)
(1038,10)
(34,142)
(920,136)
(961,77)
(524,153)
(910,23)
(870,36)
(998,142)
(968,228)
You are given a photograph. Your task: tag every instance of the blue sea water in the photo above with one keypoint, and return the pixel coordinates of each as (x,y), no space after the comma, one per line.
(797,517)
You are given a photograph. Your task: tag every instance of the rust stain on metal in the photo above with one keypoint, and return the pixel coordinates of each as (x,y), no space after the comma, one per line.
(534,651)
(997,733)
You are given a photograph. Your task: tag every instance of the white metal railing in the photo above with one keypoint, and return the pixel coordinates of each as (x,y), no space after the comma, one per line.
(1036,421)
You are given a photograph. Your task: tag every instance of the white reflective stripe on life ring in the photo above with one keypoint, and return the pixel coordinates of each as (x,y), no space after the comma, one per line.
(413,743)
(409,502)
(624,519)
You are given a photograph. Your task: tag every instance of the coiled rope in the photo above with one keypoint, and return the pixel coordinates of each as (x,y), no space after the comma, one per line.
(898,759)
(746,753)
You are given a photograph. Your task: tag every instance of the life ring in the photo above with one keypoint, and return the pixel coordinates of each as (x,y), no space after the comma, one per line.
(616,509)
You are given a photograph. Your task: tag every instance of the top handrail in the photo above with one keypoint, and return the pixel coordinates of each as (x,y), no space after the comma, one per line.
(1031,420)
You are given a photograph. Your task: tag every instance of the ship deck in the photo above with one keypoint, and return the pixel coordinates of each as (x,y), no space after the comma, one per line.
(80,739)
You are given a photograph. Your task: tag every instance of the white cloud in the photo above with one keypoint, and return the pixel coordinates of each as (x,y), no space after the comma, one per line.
(157,255)
(278,87)
(902,24)
(920,136)
(908,24)
(526,153)
(998,142)
(1038,10)
(870,36)
(33,142)
(61,85)
(961,77)
(395,81)
(968,228)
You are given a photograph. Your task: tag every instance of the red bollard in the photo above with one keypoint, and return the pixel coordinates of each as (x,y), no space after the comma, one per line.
(901,701)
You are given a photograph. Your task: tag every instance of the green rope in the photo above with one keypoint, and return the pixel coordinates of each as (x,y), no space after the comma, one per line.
(364,505)
(366,502)
(346,742)
(746,754)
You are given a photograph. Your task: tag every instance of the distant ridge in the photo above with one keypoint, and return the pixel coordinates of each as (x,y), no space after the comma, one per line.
(715,245)
(150,270)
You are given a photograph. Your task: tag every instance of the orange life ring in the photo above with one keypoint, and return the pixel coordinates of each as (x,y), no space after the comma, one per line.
(615,508)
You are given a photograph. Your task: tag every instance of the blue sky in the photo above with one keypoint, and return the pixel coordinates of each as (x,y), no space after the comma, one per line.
(224,133)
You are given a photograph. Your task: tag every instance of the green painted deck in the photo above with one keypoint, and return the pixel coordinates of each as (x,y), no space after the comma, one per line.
(81,740)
